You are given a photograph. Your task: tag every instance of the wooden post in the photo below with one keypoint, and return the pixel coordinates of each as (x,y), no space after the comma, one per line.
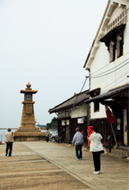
(116,145)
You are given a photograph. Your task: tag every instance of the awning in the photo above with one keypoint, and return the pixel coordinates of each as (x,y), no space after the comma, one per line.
(110,94)
(112,32)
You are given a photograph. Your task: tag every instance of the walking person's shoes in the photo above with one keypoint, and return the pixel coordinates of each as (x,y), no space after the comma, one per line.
(96,172)
(78,159)
(5,154)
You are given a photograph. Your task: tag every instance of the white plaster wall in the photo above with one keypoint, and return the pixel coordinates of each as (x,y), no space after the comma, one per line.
(101,59)
(101,64)
(114,79)
(80,111)
(126,37)
(100,114)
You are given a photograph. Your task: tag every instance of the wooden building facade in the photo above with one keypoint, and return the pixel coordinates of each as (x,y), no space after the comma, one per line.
(72,113)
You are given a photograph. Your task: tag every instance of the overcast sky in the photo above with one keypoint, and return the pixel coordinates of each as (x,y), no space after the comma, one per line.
(45,43)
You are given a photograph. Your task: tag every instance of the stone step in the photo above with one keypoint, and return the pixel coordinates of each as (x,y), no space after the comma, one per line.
(28,130)
(118,153)
(116,156)
(20,134)
(124,148)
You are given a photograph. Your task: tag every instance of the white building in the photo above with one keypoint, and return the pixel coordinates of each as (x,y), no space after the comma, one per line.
(108,66)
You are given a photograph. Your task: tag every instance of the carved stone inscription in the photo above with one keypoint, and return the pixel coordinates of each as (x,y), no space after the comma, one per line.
(28,108)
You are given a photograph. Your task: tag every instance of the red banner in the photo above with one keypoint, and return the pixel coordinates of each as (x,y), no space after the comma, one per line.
(110,116)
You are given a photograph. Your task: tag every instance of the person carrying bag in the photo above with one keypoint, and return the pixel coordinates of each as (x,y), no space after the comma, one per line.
(96,148)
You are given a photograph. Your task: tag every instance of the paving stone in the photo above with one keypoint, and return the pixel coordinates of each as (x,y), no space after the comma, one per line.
(27,170)
(114,173)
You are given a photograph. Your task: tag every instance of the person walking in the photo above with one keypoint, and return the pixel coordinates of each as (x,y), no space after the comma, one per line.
(78,142)
(47,135)
(96,148)
(9,142)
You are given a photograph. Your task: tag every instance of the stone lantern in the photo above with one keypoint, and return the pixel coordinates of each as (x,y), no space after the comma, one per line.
(27,130)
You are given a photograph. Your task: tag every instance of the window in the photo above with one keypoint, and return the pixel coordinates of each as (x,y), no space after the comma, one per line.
(28,97)
(112,51)
(116,46)
(96,106)
(114,40)
(119,46)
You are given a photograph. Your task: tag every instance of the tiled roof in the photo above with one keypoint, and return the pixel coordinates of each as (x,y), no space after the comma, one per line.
(71,102)
(113,92)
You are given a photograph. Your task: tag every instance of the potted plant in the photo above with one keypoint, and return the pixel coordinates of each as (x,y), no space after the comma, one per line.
(106,146)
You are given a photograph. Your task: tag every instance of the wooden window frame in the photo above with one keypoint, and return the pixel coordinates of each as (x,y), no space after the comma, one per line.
(96,106)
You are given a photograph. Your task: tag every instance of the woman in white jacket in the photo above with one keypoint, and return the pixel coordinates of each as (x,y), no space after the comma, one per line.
(96,148)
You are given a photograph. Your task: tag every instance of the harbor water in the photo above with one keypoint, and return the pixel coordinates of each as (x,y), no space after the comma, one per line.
(3,133)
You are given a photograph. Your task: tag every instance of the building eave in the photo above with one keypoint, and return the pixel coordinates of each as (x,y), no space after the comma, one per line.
(111,93)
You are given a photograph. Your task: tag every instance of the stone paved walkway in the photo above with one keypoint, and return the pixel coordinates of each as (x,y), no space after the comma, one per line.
(114,173)
(25,169)
(52,166)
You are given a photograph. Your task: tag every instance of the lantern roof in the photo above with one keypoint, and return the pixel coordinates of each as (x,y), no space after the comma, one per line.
(28,89)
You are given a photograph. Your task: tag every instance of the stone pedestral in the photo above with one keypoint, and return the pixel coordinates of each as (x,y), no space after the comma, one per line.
(27,130)
(29,134)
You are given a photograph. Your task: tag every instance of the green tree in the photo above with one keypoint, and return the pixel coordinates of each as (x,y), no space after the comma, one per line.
(53,124)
